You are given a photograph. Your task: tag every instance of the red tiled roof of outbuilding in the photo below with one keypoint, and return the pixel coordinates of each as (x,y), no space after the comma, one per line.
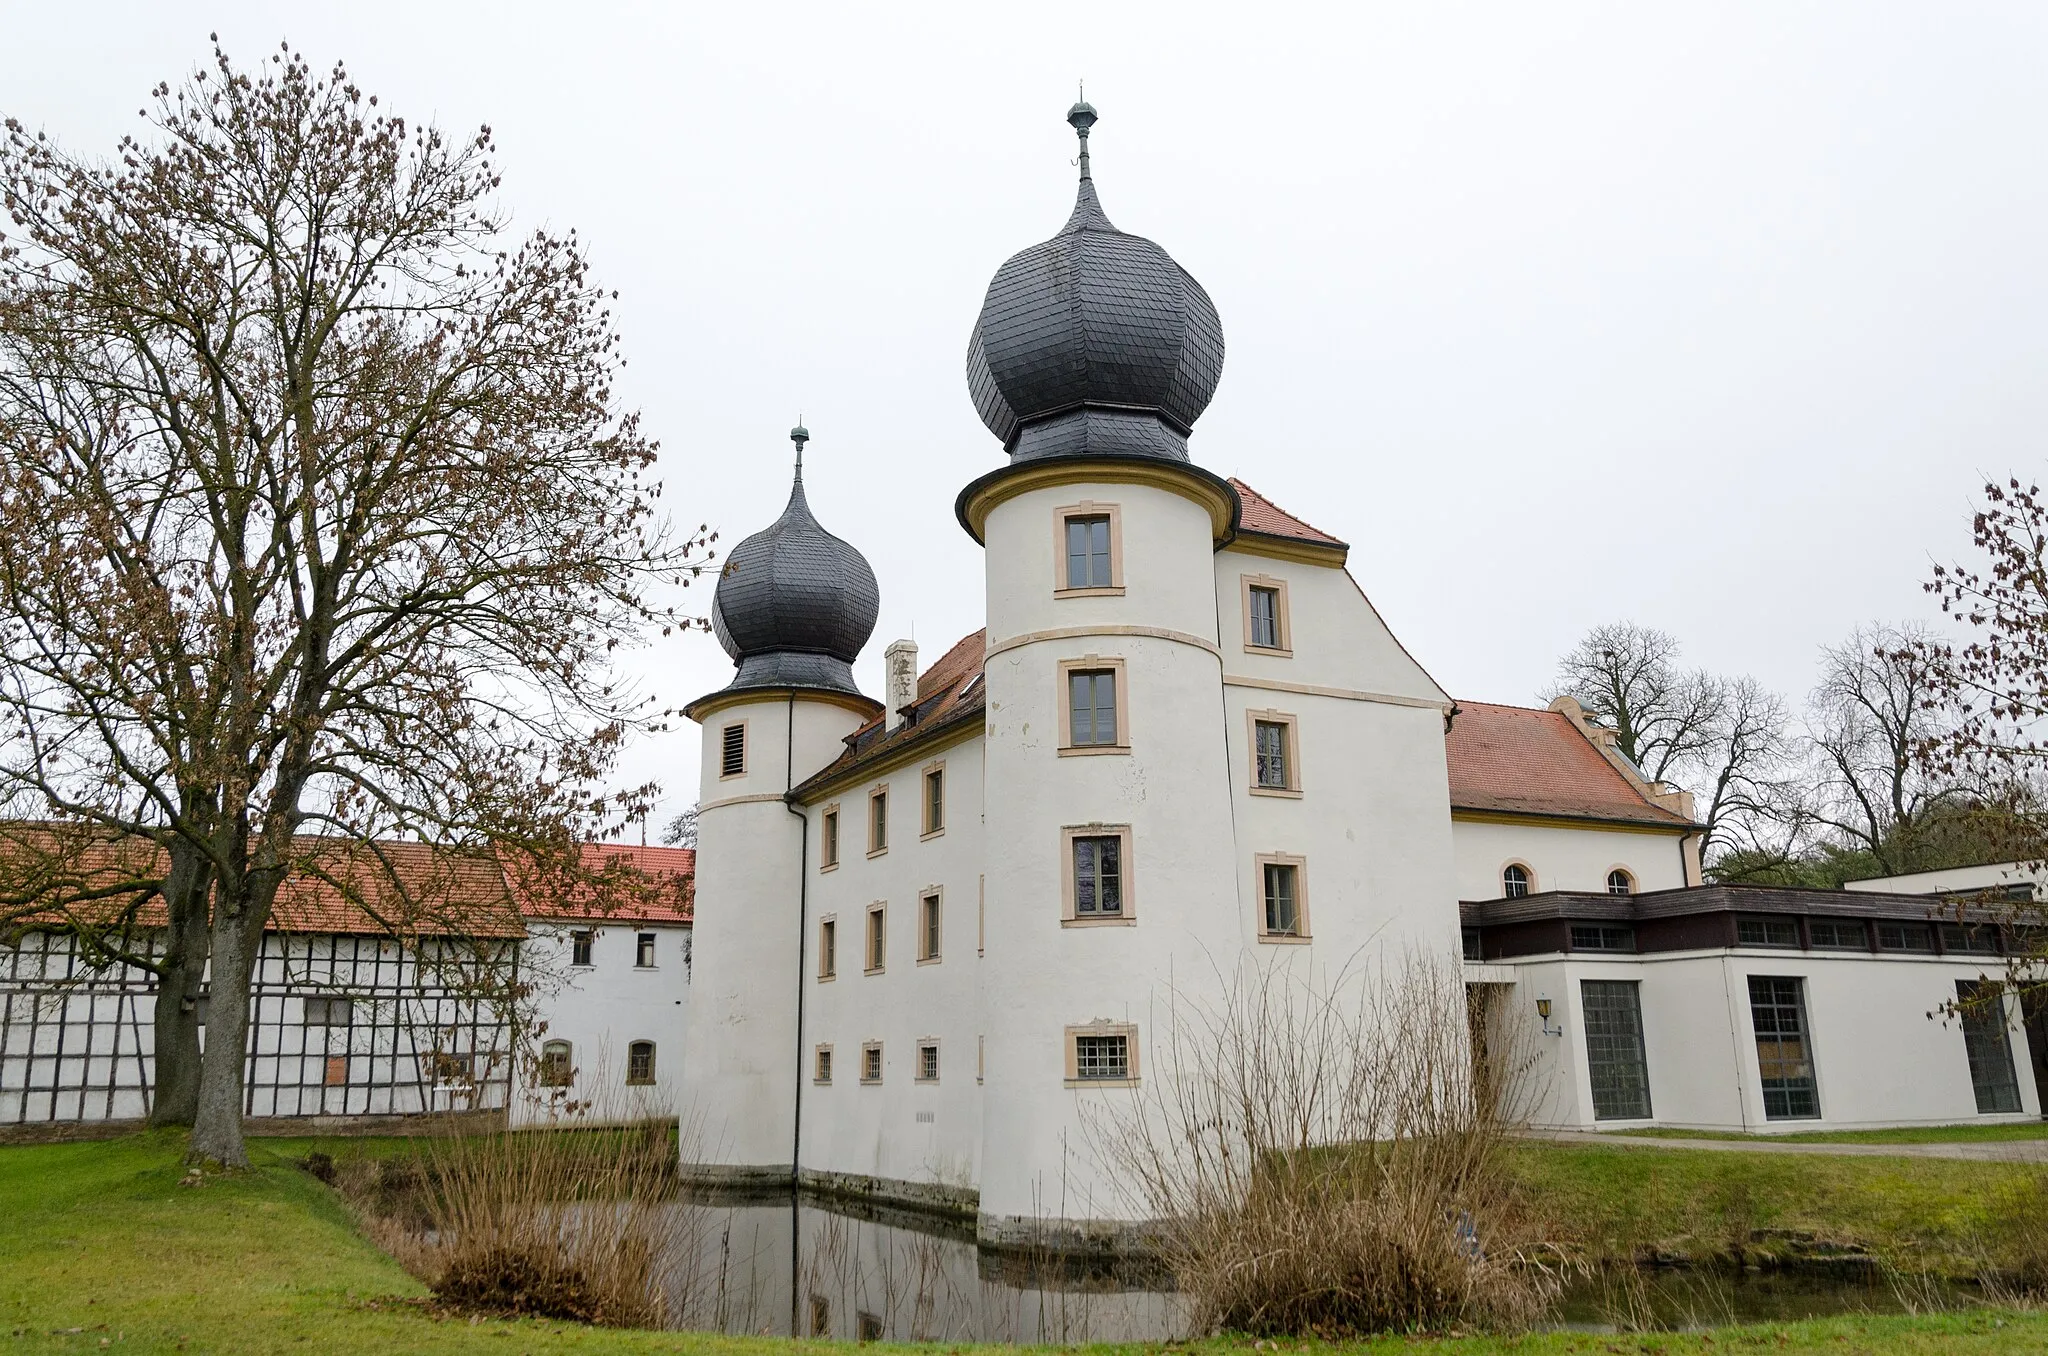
(1519,760)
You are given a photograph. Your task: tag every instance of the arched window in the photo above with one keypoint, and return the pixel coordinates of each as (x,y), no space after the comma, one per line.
(557,1064)
(1514,881)
(639,1063)
(1620,882)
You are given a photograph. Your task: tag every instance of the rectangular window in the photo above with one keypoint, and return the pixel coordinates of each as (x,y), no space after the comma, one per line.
(828,947)
(877,937)
(934,801)
(928,927)
(1976,940)
(871,1062)
(329,1011)
(927,1061)
(1283,898)
(878,822)
(1602,937)
(1266,628)
(1614,1049)
(821,1072)
(557,1064)
(579,946)
(1838,934)
(828,845)
(640,1063)
(643,953)
(1098,876)
(1471,944)
(1265,617)
(1784,1056)
(1088,561)
(1766,932)
(1980,1004)
(732,753)
(1091,707)
(1100,1058)
(1273,753)
(1914,937)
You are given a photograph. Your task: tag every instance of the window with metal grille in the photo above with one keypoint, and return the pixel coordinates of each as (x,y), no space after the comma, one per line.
(935,801)
(1514,881)
(1620,882)
(1614,1049)
(1283,901)
(579,946)
(643,951)
(822,1073)
(877,951)
(640,1063)
(928,1062)
(828,948)
(1980,1004)
(329,1011)
(732,759)
(1102,1057)
(928,928)
(871,1062)
(878,822)
(1098,877)
(1270,737)
(1766,932)
(1602,937)
(1784,1056)
(1918,937)
(1838,934)
(828,848)
(1088,552)
(1091,703)
(1974,941)
(556,1064)
(1265,617)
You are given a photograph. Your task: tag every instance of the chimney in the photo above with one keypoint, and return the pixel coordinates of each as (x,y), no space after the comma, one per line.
(900,684)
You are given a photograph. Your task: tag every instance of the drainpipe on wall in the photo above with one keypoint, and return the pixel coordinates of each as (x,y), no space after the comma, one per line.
(796,1120)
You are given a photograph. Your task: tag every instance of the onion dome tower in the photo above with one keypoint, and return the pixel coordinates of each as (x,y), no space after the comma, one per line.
(1094,342)
(795,604)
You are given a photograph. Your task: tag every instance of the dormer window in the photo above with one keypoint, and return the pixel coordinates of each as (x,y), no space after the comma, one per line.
(1514,881)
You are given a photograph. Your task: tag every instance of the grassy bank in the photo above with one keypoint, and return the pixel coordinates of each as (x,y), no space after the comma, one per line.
(1910,1134)
(102,1248)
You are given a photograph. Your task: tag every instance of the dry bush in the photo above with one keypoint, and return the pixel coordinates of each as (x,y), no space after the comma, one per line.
(1323,1159)
(2015,1269)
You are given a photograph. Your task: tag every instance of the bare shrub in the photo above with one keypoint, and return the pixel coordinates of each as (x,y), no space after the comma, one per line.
(2015,1269)
(1322,1157)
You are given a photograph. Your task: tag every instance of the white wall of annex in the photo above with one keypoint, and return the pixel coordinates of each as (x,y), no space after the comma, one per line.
(1561,858)
(605,1006)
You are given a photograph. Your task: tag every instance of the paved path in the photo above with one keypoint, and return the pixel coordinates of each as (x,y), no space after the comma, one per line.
(1980,1151)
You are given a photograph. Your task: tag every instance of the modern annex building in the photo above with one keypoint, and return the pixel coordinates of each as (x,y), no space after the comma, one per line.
(930,926)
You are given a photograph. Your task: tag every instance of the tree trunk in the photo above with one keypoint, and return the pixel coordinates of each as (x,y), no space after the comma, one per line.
(175,1100)
(217,1128)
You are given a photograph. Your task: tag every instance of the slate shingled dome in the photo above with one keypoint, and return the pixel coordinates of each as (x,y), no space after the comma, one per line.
(795,604)
(1094,342)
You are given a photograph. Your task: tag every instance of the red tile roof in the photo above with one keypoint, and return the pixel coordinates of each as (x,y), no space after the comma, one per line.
(947,695)
(633,885)
(1518,760)
(1266,518)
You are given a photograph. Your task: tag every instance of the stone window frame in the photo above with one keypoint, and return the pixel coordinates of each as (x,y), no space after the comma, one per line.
(1635,884)
(917,1074)
(1300,865)
(874,942)
(935,896)
(878,843)
(927,830)
(647,1079)
(1101,1027)
(873,1048)
(551,1072)
(1094,663)
(828,948)
(1088,508)
(821,1064)
(1528,878)
(1252,721)
(1283,618)
(1126,861)
(725,748)
(828,837)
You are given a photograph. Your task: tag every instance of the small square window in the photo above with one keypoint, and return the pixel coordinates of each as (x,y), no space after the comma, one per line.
(927,1061)
(877,939)
(934,801)
(732,755)
(1102,1053)
(928,921)
(828,947)
(828,835)
(640,1063)
(329,1011)
(821,1072)
(579,946)
(643,951)
(871,1062)
(878,822)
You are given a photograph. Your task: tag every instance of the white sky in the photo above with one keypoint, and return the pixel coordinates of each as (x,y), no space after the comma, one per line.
(1708,318)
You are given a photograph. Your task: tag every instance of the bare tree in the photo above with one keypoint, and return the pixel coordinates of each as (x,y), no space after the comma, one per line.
(681,831)
(318,517)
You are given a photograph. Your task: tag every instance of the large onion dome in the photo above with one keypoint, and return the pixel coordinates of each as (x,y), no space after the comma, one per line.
(795,604)
(1094,342)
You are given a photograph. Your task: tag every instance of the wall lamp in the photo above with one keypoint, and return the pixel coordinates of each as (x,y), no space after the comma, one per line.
(1543,1011)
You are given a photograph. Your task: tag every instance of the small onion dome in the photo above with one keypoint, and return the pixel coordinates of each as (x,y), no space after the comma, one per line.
(795,604)
(1094,342)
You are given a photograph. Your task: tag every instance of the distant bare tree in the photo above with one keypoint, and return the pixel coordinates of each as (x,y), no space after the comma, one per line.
(681,831)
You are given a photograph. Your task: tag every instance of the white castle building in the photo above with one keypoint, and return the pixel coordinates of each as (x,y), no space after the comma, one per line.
(930,926)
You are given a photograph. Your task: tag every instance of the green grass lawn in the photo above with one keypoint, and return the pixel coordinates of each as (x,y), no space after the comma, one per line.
(1911,1134)
(102,1249)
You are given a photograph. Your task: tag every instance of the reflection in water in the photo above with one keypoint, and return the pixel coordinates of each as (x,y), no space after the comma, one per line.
(824,1269)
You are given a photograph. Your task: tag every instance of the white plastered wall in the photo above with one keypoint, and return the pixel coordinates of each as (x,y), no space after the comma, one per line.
(602,1008)
(1562,858)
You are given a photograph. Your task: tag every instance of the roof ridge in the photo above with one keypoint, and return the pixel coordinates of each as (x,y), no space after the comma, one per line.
(1308,531)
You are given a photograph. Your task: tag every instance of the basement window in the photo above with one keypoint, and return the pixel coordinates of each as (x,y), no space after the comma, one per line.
(640,1063)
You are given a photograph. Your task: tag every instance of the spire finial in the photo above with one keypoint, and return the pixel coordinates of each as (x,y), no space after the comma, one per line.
(799,435)
(1081,117)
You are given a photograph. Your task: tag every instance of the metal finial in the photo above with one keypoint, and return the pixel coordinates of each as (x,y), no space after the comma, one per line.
(799,435)
(1081,117)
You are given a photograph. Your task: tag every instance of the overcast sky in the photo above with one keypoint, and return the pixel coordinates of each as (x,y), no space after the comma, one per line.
(1710,320)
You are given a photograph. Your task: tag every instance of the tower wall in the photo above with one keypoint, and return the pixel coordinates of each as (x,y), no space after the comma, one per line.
(741,1062)
(1169,788)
